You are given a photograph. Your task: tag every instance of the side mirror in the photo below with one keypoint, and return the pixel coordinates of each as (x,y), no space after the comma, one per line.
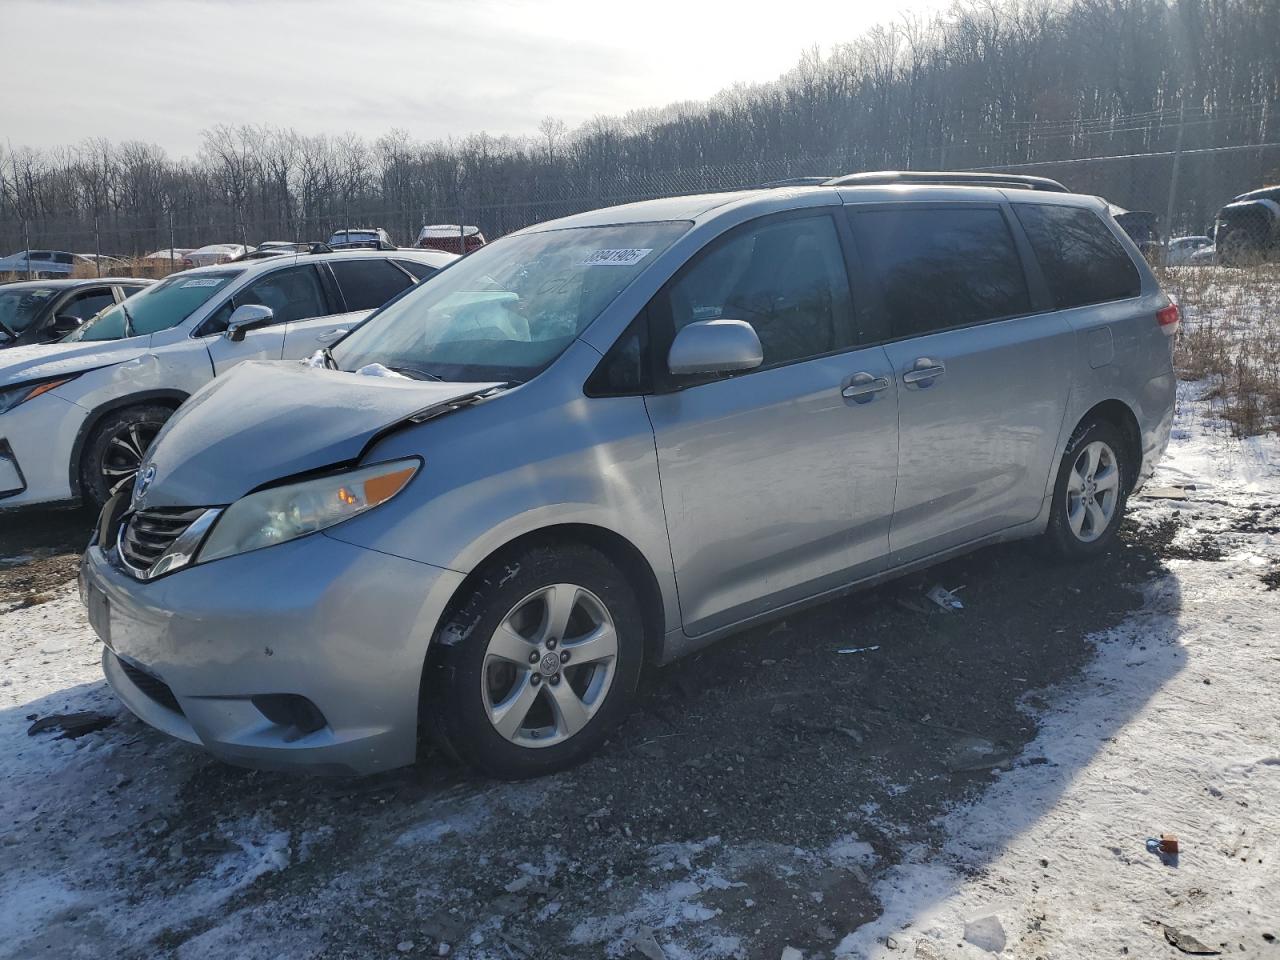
(246,318)
(715,346)
(64,323)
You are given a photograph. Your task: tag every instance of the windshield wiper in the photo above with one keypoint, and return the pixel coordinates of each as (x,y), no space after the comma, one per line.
(327,357)
(416,373)
(4,328)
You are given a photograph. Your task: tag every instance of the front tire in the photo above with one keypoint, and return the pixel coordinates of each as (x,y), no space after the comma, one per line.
(1091,492)
(116,449)
(538,663)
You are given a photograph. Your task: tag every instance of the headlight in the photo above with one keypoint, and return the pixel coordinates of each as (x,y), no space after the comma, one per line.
(286,513)
(13,396)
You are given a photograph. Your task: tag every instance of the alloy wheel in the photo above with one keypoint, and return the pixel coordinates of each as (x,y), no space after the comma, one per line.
(124,453)
(549,665)
(1093,491)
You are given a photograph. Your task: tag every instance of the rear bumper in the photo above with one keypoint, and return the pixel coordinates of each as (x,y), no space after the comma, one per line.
(345,627)
(1158,406)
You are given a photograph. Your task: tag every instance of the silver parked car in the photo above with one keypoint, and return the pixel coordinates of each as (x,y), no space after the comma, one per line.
(76,415)
(606,441)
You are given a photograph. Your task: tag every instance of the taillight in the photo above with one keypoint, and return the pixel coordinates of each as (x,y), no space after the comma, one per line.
(1168,318)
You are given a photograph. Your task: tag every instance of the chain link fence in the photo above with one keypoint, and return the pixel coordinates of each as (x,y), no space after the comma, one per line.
(1172,193)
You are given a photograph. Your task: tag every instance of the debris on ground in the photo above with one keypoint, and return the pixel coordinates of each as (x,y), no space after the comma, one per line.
(946,600)
(1187,943)
(645,945)
(858,649)
(986,933)
(72,725)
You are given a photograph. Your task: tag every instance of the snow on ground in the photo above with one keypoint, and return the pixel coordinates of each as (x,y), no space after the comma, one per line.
(1174,728)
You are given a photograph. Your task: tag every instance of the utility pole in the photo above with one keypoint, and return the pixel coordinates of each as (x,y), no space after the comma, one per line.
(1173,178)
(97,245)
(26,242)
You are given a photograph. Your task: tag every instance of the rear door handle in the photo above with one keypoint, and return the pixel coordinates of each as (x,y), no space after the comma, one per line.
(924,371)
(864,386)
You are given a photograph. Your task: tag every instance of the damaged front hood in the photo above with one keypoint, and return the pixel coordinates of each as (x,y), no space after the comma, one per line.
(45,361)
(264,421)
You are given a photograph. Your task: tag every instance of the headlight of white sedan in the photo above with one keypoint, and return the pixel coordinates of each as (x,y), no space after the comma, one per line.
(285,513)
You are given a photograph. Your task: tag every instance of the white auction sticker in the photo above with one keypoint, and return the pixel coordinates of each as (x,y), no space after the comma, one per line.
(624,257)
(204,282)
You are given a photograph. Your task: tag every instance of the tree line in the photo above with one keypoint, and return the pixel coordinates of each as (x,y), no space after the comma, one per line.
(988,83)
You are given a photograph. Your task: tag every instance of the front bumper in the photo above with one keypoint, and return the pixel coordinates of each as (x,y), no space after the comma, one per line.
(36,443)
(345,627)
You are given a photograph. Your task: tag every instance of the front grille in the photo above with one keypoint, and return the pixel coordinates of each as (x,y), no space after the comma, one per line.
(149,533)
(155,688)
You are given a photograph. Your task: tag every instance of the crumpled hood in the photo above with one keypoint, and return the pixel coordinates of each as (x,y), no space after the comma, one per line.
(264,421)
(42,361)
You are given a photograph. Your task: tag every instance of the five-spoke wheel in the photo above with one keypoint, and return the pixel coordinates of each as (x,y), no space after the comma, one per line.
(538,661)
(549,665)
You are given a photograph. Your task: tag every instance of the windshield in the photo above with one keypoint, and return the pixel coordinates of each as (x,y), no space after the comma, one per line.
(158,307)
(508,310)
(20,308)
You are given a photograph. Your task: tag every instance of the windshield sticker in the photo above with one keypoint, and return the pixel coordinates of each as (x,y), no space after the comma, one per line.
(204,282)
(624,257)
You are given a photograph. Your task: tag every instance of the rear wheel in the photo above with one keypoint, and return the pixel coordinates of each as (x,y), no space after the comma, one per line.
(116,448)
(1090,493)
(538,664)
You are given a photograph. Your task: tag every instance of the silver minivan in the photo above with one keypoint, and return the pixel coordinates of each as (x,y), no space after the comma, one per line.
(603,442)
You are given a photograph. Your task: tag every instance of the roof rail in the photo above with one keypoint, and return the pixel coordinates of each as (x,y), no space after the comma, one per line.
(955,177)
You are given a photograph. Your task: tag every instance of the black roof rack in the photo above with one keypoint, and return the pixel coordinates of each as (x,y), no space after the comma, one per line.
(953,177)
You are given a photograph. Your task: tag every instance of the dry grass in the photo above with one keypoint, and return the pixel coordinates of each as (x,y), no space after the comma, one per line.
(154,269)
(1230,339)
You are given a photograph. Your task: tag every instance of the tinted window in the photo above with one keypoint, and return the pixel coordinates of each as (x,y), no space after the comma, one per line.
(85,305)
(418,269)
(784,277)
(1081,259)
(940,268)
(368,284)
(292,294)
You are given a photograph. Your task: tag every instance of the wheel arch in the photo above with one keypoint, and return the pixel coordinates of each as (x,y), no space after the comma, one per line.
(1120,415)
(167,398)
(620,551)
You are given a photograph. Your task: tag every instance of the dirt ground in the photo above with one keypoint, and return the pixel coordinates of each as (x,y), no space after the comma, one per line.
(770,775)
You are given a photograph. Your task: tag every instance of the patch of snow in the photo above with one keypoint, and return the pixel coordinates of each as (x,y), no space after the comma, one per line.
(1152,738)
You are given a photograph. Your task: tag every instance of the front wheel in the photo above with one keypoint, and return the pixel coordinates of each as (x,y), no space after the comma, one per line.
(538,663)
(116,448)
(1090,493)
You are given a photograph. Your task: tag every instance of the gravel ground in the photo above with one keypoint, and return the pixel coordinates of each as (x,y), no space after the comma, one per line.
(745,806)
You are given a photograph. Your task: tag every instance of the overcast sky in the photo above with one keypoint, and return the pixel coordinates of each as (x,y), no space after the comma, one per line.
(162,70)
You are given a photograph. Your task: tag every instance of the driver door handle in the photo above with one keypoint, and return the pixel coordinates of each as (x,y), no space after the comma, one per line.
(332,335)
(864,386)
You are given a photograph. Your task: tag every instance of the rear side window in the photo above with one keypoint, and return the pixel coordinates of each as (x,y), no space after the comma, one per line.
(784,277)
(1081,259)
(368,284)
(942,267)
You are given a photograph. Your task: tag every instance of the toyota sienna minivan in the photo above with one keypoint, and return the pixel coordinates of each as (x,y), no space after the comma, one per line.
(603,442)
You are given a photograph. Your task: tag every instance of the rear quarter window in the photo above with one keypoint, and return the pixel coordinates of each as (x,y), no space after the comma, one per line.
(1080,257)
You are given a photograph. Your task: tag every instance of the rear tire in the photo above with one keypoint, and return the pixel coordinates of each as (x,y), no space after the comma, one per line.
(1090,493)
(116,448)
(538,663)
